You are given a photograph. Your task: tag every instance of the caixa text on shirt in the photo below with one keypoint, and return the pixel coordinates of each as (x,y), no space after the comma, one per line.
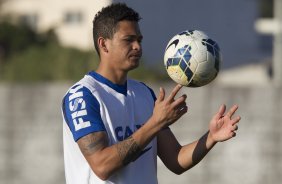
(124,132)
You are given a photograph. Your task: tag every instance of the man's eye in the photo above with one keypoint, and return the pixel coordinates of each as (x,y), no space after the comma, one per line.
(128,39)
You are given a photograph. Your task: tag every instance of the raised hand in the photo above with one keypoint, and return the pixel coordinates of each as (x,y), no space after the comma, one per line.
(223,127)
(168,110)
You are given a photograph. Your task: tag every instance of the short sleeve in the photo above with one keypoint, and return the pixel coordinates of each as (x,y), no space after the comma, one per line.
(82,112)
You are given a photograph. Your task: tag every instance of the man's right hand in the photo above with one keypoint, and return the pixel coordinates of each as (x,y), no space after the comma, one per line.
(168,110)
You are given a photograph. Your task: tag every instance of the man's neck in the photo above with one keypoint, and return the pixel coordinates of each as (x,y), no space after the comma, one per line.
(116,77)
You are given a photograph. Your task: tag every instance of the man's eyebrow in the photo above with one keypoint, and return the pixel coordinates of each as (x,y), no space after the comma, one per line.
(134,36)
(139,38)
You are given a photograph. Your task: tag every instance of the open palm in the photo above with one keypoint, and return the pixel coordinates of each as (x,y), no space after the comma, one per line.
(223,126)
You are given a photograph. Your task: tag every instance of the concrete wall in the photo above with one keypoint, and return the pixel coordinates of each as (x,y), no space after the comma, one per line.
(31,135)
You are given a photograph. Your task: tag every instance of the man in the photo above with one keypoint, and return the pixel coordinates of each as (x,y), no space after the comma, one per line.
(115,127)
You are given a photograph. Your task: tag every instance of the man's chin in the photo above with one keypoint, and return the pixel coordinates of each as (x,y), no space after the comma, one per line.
(133,64)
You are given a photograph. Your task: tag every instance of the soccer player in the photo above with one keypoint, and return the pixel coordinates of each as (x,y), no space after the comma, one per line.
(114,127)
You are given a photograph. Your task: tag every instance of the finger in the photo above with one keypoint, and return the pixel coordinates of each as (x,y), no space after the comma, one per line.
(232,110)
(182,105)
(161,94)
(174,92)
(183,110)
(236,120)
(179,102)
(235,128)
(221,111)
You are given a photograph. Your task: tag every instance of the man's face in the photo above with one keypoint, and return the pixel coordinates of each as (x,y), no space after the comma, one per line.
(125,48)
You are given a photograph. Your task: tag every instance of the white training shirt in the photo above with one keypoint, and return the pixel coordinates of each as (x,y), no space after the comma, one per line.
(96,104)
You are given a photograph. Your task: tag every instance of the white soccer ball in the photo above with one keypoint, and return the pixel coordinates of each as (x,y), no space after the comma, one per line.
(192,58)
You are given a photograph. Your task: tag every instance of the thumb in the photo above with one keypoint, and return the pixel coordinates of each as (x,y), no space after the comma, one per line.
(161,94)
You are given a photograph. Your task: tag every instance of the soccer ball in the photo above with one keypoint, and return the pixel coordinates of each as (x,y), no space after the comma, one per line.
(192,59)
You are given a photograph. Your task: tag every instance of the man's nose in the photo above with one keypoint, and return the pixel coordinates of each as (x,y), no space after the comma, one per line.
(137,45)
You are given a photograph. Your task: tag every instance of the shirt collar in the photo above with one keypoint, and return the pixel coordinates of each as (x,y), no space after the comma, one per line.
(119,88)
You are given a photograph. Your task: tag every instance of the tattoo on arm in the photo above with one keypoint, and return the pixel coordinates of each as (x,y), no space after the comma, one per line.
(93,142)
(128,150)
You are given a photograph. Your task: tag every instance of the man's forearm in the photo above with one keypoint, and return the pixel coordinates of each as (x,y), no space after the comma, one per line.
(105,160)
(128,150)
(193,153)
(203,146)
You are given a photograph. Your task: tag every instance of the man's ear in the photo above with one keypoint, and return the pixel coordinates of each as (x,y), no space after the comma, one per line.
(102,44)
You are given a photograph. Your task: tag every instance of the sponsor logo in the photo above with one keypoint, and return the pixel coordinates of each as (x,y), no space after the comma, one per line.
(124,132)
(77,106)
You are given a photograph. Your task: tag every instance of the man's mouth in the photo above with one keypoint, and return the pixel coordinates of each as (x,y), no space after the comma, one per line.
(136,56)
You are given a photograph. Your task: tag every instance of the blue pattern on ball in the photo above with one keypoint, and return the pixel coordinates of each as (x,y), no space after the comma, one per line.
(181,57)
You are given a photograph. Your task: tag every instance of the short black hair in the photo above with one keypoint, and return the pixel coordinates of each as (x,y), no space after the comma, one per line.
(106,20)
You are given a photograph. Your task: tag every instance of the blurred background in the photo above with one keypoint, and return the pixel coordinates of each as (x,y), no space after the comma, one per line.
(46,46)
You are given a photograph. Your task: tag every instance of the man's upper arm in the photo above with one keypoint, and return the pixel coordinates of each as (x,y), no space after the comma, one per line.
(92,143)
(82,112)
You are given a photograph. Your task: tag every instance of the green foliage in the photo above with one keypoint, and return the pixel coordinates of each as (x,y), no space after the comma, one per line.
(48,64)
(26,56)
(15,38)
